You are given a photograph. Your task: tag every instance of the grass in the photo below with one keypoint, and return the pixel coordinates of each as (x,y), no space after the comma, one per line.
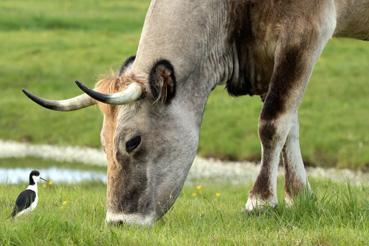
(37,163)
(46,45)
(67,215)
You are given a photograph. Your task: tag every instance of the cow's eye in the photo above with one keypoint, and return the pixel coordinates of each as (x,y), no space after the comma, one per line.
(133,143)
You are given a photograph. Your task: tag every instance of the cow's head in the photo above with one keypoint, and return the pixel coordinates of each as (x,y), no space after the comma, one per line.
(153,106)
(150,143)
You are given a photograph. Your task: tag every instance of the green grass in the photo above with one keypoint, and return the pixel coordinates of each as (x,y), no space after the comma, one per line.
(339,215)
(46,45)
(37,163)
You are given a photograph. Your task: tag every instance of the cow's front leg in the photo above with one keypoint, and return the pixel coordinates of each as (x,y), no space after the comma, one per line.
(294,61)
(272,135)
(295,175)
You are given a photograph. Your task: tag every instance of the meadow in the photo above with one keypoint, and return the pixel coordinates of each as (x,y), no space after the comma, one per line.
(206,213)
(46,45)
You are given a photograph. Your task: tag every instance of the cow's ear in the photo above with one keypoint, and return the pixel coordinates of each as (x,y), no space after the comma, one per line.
(126,64)
(162,82)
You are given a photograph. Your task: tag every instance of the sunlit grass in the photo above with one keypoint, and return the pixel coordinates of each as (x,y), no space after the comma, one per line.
(336,215)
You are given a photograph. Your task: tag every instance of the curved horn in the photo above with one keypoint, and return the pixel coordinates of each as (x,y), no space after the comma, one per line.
(130,94)
(75,103)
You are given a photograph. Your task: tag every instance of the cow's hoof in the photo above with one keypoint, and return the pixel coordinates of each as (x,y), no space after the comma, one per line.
(129,219)
(255,204)
(288,201)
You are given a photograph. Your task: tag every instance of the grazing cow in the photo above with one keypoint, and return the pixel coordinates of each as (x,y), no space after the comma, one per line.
(154,105)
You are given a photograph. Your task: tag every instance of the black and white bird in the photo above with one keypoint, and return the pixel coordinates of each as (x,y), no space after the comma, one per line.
(27,200)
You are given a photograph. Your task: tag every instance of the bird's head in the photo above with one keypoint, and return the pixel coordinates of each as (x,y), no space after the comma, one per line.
(34,177)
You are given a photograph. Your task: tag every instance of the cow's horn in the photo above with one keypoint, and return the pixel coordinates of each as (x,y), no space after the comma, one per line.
(75,103)
(129,94)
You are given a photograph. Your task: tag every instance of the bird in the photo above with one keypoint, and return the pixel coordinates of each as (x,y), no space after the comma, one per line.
(27,200)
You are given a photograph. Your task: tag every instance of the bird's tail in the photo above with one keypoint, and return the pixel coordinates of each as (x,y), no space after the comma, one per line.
(13,214)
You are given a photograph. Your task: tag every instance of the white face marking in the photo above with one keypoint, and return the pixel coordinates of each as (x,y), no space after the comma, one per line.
(36,178)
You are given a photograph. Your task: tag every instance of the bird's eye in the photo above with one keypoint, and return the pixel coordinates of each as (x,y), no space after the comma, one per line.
(133,143)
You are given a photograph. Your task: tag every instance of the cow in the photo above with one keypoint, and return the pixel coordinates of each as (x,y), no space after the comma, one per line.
(153,106)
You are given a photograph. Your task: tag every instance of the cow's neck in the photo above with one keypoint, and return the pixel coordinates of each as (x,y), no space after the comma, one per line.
(192,35)
(253,42)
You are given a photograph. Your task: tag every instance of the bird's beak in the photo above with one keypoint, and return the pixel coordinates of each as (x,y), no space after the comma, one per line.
(44,179)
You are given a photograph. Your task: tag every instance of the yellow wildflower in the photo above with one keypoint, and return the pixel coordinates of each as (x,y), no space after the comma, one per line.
(217,194)
(199,187)
(194,194)
(65,203)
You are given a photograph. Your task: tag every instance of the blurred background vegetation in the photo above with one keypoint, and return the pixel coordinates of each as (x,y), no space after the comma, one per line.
(46,45)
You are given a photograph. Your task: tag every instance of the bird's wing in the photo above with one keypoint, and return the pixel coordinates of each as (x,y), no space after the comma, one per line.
(24,201)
